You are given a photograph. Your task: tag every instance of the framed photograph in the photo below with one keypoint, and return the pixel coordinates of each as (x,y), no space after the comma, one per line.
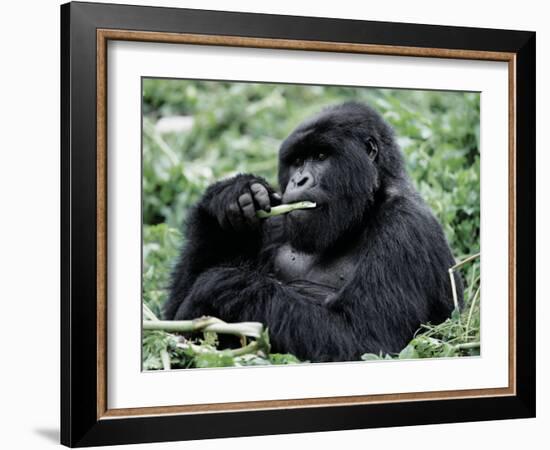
(276,224)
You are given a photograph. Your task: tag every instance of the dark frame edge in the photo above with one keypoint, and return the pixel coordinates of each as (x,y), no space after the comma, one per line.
(65,334)
(78,226)
(526,223)
(79,423)
(169,428)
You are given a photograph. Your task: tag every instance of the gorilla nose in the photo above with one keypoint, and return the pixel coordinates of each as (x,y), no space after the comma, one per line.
(298,187)
(301,181)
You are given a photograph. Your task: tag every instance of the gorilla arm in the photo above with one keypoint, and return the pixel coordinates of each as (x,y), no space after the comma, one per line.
(297,324)
(221,229)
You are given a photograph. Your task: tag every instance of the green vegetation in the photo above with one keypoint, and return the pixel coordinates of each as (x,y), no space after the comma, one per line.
(226,128)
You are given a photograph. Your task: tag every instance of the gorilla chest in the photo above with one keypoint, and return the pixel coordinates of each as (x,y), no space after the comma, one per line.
(292,266)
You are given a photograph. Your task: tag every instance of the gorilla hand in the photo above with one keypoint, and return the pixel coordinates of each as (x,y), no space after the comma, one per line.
(234,202)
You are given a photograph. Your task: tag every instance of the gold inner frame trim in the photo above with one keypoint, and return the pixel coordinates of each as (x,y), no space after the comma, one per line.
(104,35)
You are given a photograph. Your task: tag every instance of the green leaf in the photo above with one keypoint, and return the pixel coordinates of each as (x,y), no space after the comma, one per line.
(215,359)
(283,358)
(409,352)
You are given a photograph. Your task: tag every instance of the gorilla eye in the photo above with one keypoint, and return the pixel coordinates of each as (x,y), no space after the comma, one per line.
(321,156)
(372,148)
(298,162)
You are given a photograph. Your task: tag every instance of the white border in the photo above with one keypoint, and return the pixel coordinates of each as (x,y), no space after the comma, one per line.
(128,387)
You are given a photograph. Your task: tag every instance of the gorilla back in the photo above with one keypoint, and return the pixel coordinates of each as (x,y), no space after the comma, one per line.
(359,273)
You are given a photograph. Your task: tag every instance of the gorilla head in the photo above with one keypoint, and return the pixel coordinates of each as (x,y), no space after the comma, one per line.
(319,162)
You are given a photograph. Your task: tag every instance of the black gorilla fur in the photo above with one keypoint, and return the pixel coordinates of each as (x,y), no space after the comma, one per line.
(357,274)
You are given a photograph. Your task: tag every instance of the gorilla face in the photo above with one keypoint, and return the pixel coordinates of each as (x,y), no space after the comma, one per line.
(338,159)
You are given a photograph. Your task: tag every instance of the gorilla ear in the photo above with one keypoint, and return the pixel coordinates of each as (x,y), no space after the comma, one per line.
(372,148)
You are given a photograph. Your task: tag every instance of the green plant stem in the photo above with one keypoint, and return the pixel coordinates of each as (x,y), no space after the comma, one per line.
(466,260)
(253,347)
(284,209)
(451,276)
(476,295)
(453,287)
(165,358)
(472,281)
(251,329)
(148,314)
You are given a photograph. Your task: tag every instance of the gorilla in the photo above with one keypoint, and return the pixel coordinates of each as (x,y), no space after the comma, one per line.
(357,274)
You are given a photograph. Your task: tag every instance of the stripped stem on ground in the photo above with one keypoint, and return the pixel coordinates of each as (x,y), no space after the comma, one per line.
(250,329)
(252,347)
(467,345)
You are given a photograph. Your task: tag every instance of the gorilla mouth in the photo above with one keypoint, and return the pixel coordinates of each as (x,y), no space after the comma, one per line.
(293,198)
(302,213)
(300,200)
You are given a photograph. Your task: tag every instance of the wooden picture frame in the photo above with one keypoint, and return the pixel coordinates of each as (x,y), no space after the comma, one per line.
(86,418)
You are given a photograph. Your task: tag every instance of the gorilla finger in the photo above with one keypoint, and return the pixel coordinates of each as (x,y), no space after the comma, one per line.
(245,200)
(261,196)
(247,207)
(235,217)
(276,198)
